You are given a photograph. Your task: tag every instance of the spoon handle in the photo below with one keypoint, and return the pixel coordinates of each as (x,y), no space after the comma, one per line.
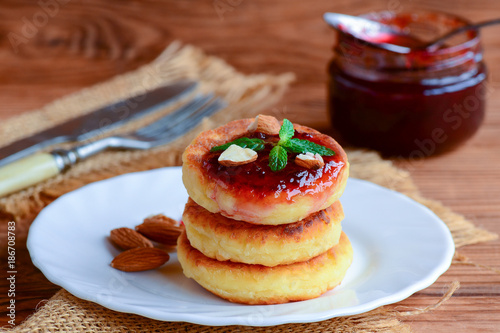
(438,42)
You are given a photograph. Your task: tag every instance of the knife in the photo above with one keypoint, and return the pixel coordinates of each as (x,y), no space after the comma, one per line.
(97,122)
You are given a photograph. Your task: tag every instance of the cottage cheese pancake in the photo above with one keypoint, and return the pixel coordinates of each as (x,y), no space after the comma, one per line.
(258,284)
(253,192)
(221,238)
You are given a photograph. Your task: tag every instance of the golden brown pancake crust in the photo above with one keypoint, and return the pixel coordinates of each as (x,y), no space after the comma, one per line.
(257,284)
(280,204)
(221,238)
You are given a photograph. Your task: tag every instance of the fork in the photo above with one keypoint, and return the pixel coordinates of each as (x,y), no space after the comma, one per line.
(34,169)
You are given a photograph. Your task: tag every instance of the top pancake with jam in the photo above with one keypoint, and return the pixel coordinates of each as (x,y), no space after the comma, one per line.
(254,193)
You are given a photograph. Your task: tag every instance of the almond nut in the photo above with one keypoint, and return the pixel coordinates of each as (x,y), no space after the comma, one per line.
(265,124)
(235,155)
(161,218)
(160,231)
(126,238)
(140,259)
(310,161)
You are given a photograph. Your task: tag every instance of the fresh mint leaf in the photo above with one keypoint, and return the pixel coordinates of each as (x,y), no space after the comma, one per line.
(286,131)
(277,158)
(304,146)
(254,144)
(278,155)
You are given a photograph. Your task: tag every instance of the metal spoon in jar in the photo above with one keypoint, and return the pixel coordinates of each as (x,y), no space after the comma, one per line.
(389,37)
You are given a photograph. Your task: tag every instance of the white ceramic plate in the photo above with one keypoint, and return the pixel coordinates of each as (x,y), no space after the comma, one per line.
(400,247)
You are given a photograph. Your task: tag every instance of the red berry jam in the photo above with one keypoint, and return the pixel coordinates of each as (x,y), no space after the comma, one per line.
(256,179)
(413,105)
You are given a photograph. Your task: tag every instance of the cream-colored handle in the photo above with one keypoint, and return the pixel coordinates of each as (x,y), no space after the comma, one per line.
(26,172)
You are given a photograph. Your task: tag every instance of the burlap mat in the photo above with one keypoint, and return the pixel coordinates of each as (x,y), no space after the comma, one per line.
(246,95)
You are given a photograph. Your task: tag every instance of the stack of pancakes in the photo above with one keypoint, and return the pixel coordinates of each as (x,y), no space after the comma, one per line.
(252,239)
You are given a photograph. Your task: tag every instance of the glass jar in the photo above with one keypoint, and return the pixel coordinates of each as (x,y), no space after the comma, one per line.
(409,105)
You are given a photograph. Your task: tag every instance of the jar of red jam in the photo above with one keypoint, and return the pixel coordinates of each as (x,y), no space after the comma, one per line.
(415,104)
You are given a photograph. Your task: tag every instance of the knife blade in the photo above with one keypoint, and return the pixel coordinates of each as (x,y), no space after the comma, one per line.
(97,122)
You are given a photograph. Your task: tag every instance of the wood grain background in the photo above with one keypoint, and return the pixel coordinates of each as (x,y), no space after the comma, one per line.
(52,48)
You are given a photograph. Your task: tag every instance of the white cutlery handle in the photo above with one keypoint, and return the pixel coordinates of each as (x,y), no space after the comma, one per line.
(39,167)
(27,171)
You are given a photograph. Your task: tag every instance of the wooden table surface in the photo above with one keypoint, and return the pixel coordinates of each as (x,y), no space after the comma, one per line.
(76,44)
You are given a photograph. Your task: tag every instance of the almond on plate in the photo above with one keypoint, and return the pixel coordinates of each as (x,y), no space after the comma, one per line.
(161,218)
(235,155)
(126,238)
(160,231)
(140,259)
